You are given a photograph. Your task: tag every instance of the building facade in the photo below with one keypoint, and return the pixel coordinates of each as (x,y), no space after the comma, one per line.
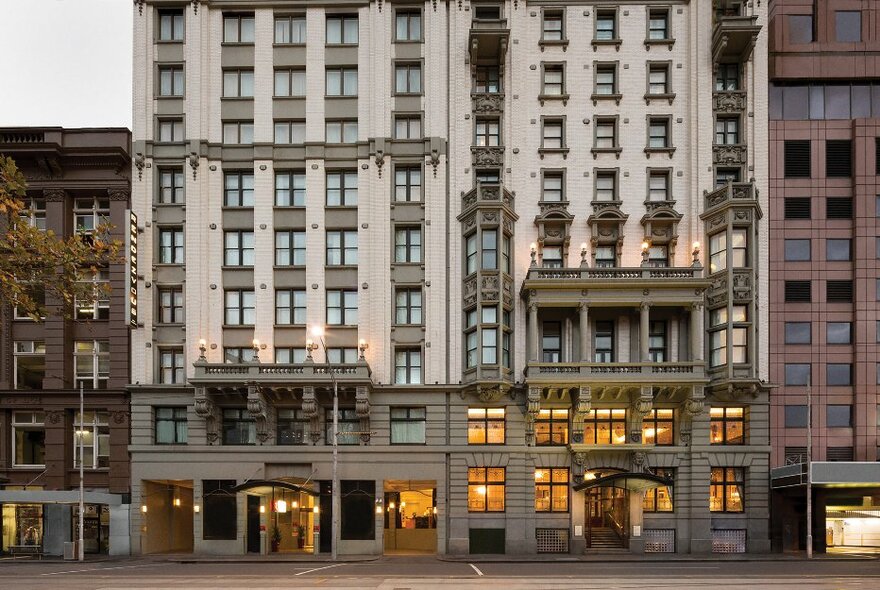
(824,166)
(535,256)
(77,180)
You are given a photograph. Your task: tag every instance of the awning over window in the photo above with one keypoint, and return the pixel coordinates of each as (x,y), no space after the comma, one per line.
(264,486)
(634,482)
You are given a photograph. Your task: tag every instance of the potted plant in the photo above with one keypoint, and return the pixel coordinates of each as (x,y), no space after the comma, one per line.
(276,539)
(300,536)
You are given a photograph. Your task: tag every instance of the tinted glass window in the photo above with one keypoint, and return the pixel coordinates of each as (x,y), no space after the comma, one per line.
(838,249)
(839,416)
(800,28)
(795,416)
(838,374)
(797,332)
(796,250)
(839,332)
(848,26)
(797,374)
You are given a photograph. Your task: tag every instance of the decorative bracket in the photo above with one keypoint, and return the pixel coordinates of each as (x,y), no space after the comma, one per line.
(205,408)
(380,160)
(533,406)
(435,160)
(195,4)
(140,162)
(310,411)
(258,409)
(140,5)
(362,408)
(582,407)
(194,163)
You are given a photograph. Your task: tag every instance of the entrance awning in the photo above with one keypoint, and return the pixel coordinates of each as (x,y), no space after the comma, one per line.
(264,486)
(634,482)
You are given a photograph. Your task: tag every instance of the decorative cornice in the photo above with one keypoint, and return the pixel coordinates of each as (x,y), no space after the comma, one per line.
(54,195)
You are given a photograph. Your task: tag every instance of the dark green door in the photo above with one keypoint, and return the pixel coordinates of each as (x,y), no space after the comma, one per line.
(487,541)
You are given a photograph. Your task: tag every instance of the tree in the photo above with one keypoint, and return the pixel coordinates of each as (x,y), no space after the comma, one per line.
(35,261)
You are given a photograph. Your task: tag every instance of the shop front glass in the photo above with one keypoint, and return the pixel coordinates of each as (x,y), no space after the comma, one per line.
(22,525)
(96,528)
(292,525)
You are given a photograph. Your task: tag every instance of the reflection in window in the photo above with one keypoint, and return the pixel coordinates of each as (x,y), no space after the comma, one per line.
(727,426)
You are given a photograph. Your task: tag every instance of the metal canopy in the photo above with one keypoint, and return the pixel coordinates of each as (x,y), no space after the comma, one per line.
(634,482)
(265,486)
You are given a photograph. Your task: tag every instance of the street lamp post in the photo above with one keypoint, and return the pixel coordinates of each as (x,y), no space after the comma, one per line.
(809,470)
(335,498)
(80,549)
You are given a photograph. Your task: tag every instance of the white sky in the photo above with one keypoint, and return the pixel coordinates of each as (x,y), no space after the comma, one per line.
(66,62)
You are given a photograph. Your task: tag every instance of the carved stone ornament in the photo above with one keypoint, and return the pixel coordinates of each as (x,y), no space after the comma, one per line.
(435,160)
(54,416)
(362,408)
(579,459)
(140,162)
(140,5)
(120,416)
(489,393)
(729,102)
(639,461)
(488,102)
(693,407)
(729,154)
(119,194)
(309,402)
(487,156)
(54,195)
(205,408)
(643,406)
(380,160)
(194,163)
(259,411)
(582,406)
(533,406)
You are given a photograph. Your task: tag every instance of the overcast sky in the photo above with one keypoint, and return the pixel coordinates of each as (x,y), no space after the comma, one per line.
(66,62)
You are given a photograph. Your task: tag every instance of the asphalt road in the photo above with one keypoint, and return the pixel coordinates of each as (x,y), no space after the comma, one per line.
(422,573)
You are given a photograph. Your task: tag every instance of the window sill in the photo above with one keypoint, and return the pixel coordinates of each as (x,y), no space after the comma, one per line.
(615,150)
(170,143)
(543,43)
(340,267)
(285,207)
(236,326)
(409,41)
(169,41)
(404,94)
(288,267)
(285,326)
(236,207)
(544,151)
(545,97)
(288,45)
(616,97)
(607,42)
(421,325)
(236,44)
(340,45)
(335,96)
(289,96)
(236,267)
(169,97)
(170,324)
(668,42)
(667,150)
(649,97)
(341,207)
(28,467)
(168,264)
(169,205)
(236,98)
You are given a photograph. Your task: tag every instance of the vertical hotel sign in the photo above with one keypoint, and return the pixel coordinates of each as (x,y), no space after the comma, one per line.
(132,264)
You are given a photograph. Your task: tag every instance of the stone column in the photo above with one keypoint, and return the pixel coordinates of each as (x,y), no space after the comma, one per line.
(696,332)
(533,332)
(644,327)
(585,332)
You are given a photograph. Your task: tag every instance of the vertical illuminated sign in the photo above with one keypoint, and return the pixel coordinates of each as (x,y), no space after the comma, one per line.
(132,248)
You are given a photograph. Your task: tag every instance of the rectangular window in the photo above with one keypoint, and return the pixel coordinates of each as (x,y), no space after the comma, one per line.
(407,366)
(657,341)
(658,134)
(342,248)
(795,416)
(839,291)
(290,30)
(238,28)
(293,426)
(727,426)
(659,499)
(486,489)
(471,339)
(658,427)
(838,249)
(238,83)
(554,80)
(718,252)
(658,79)
(96,307)
(798,332)
(171,369)
(606,25)
(726,489)
(408,78)
(290,307)
(290,189)
(345,131)
(292,132)
(606,80)
(838,158)
(797,250)
(342,81)
(487,132)
(408,306)
(797,292)
(407,127)
(489,247)
(239,308)
(724,176)
(342,189)
(838,374)
(551,489)
(238,248)
(605,427)
(408,426)
(29,360)
(90,214)
(171,426)
(658,256)
(606,256)
(93,428)
(407,184)
(552,187)
(797,374)
(221,515)
(470,246)
(552,134)
(797,158)
(800,28)
(171,245)
(551,342)
(408,245)
(727,131)
(658,25)
(658,186)
(487,80)
(290,248)
(603,342)
(344,355)
(171,25)
(171,305)
(237,355)
(238,132)
(348,427)
(552,26)
(28,439)
(838,332)
(171,130)
(551,427)
(727,77)
(838,416)
(171,81)
(342,29)
(848,26)
(239,427)
(408,25)
(797,208)
(342,307)
(606,186)
(91,359)
(606,134)
(170,186)
(290,83)
(486,426)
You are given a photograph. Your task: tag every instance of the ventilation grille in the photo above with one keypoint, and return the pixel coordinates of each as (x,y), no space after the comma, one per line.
(659,540)
(795,455)
(839,208)
(797,159)
(839,454)
(797,208)
(839,291)
(552,540)
(728,541)
(797,291)
(838,158)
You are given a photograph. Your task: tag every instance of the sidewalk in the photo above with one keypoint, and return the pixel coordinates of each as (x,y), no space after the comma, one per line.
(255,558)
(659,557)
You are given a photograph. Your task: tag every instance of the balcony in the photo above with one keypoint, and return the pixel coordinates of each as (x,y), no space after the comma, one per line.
(488,40)
(619,373)
(269,375)
(734,38)
(732,193)
(487,194)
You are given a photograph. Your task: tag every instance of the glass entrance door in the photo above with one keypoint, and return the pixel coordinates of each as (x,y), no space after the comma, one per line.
(607,515)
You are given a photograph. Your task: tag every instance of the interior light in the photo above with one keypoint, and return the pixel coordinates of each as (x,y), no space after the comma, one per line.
(144,508)
(196,508)
(316,509)
(262,509)
(294,504)
(378,509)
(539,475)
(177,501)
(281,506)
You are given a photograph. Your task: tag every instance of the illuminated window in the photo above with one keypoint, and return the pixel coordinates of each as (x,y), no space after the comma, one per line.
(551,427)
(605,427)
(551,490)
(726,489)
(486,426)
(659,499)
(486,489)
(727,426)
(658,427)
(94,429)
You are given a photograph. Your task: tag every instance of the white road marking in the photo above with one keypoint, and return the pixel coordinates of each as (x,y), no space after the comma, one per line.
(98,569)
(326,567)
(476,569)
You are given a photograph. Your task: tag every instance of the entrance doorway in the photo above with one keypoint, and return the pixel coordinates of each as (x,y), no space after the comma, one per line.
(166,516)
(253,524)
(607,515)
(96,528)
(852,527)
(410,516)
